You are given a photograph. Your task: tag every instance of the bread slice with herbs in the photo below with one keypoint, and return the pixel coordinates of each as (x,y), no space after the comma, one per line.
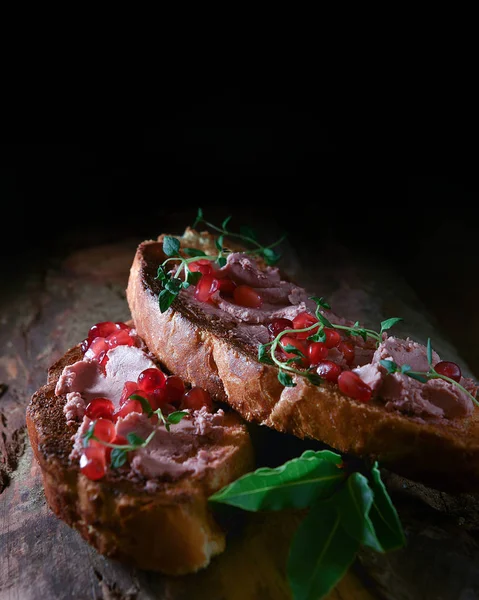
(197,341)
(166,527)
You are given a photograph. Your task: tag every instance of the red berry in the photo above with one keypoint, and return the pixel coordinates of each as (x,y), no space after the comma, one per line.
(100,408)
(202,266)
(102,330)
(120,337)
(329,370)
(206,287)
(104,430)
(346,347)
(278,325)
(196,398)
(97,349)
(175,388)
(227,286)
(93,462)
(353,386)
(245,295)
(305,319)
(129,388)
(332,337)
(301,345)
(120,441)
(317,351)
(121,325)
(449,369)
(150,379)
(158,398)
(128,407)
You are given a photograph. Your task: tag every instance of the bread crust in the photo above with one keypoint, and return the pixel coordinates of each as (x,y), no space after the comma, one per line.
(444,455)
(171,530)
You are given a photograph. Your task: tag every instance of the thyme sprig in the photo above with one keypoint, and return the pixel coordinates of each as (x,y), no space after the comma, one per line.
(424,376)
(172,280)
(267,352)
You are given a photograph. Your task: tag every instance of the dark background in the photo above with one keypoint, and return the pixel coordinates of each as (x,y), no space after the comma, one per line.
(260,162)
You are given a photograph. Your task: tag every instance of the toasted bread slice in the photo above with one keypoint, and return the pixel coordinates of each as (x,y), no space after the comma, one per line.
(169,528)
(188,341)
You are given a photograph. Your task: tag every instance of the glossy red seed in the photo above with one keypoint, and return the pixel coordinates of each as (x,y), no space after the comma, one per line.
(333,337)
(97,349)
(305,319)
(158,398)
(93,462)
(129,388)
(129,406)
(227,286)
(353,386)
(151,379)
(121,325)
(202,266)
(196,398)
(100,408)
(206,287)
(104,430)
(175,388)
(102,330)
(301,345)
(245,295)
(449,369)
(346,347)
(120,337)
(317,351)
(329,370)
(278,325)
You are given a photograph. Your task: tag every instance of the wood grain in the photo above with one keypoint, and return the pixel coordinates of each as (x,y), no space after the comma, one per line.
(41,557)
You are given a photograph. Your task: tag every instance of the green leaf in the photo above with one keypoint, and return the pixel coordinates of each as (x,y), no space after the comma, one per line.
(145,405)
(405,369)
(246,231)
(194,252)
(270,256)
(429,352)
(221,260)
(219,243)
(199,218)
(389,365)
(353,503)
(318,337)
(388,323)
(418,376)
(118,457)
(192,277)
(320,554)
(175,417)
(322,302)
(290,349)
(383,515)
(171,245)
(264,354)
(314,378)
(323,319)
(174,285)
(161,273)
(296,484)
(135,439)
(165,300)
(285,379)
(224,225)
(88,435)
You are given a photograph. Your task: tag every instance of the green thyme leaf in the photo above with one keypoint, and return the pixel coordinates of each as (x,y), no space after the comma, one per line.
(405,369)
(314,378)
(295,484)
(322,302)
(199,218)
(270,256)
(88,435)
(323,319)
(194,252)
(221,260)
(118,457)
(219,243)
(165,300)
(290,349)
(383,515)
(134,439)
(388,323)
(174,285)
(224,225)
(145,405)
(285,379)
(321,553)
(175,417)
(417,376)
(318,337)
(264,355)
(389,365)
(171,246)
(161,273)
(248,232)
(429,352)
(192,277)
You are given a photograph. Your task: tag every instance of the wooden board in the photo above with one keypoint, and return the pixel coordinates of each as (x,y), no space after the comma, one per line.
(40,557)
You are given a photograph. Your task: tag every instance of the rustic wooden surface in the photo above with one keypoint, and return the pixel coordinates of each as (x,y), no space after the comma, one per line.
(49,310)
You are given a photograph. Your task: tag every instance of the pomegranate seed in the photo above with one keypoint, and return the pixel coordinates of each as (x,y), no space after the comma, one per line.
(120,441)
(449,369)
(301,345)
(317,351)
(158,398)
(303,320)
(102,330)
(97,349)
(93,462)
(203,266)
(175,388)
(245,295)
(332,337)
(150,379)
(353,386)
(196,398)
(206,287)
(129,388)
(346,347)
(100,408)
(329,370)
(278,325)
(120,338)
(227,286)
(121,325)
(128,407)
(104,430)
